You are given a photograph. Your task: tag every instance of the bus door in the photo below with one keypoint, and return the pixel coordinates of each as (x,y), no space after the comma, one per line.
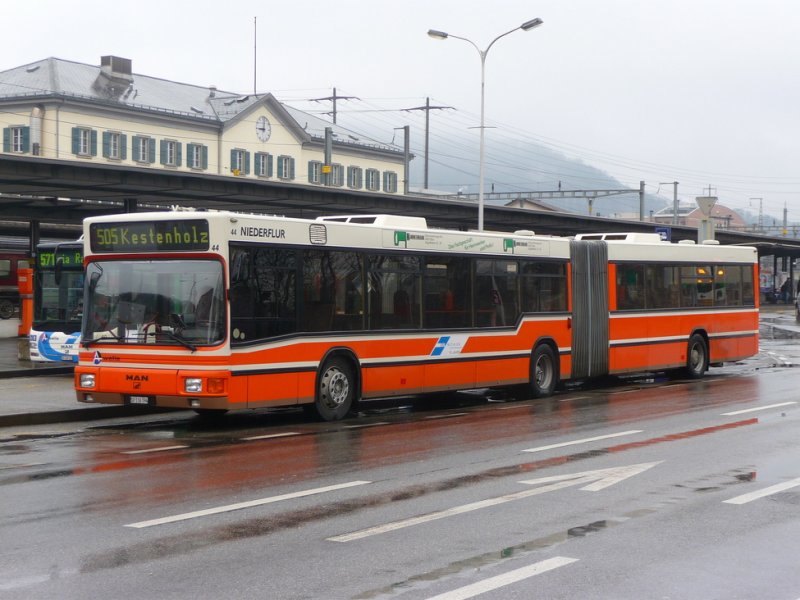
(590,315)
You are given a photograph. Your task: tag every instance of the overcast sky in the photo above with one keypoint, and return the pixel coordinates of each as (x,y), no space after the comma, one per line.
(705,92)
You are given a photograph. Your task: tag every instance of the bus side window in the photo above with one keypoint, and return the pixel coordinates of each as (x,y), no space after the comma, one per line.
(630,287)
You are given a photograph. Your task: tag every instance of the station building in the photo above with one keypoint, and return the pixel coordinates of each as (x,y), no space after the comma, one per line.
(65,110)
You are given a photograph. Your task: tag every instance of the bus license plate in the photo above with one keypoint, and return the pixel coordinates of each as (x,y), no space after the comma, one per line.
(139,400)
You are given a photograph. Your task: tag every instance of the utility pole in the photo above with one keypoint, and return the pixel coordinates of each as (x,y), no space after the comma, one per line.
(406,157)
(334,98)
(760,213)
(641,200)
(785,219)
(427,108)
(674,200)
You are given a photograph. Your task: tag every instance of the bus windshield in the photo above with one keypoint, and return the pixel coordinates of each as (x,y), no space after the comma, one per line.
(165,302)
(59,305)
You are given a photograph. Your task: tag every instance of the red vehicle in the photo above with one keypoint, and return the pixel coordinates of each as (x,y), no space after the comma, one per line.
(9,292)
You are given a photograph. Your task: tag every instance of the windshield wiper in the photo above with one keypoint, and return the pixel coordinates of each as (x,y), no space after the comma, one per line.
(106,335)
(178,338)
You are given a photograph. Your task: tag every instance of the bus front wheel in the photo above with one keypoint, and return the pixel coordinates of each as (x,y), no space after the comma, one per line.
(335,391)
(544,373)
(696,357)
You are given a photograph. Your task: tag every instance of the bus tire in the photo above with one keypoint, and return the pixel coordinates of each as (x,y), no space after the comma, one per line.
(6,308)
(336,389)
(696,357)
(544,372)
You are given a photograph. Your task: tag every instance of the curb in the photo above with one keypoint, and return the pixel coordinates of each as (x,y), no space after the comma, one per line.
(79,414)
(36,371)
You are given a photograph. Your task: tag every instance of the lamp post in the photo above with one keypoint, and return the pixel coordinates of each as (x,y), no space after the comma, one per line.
(441,35)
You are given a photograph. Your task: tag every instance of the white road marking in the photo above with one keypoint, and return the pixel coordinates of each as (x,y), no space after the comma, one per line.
(447,416)
(574,398)
(270,436)
(493,583)
(249,504)
(161,449)
(595,480)
(745,498)
(365,425)
(758,408)
(33,464)
(583,441)
(602,478)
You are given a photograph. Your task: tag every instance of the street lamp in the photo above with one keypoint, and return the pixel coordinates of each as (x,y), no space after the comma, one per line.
(441,35)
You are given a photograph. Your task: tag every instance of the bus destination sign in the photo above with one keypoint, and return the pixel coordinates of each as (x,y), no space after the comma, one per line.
(149,236)
(69,258)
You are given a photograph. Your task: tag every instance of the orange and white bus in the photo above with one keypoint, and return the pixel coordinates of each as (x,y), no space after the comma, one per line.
(217,310)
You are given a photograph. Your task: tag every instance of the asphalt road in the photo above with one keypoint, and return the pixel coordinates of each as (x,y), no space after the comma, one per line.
(645,489)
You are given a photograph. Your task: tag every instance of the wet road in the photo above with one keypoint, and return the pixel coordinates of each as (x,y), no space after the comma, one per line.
(647,489)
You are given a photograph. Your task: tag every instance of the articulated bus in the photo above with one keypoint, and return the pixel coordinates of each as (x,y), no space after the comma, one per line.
(57,302)
(215,310)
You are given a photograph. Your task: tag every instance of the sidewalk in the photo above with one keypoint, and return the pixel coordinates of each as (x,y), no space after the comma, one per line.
(59,405)
(12,365)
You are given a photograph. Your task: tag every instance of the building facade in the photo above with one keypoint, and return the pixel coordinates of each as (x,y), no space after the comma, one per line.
(72,111)
(690,216)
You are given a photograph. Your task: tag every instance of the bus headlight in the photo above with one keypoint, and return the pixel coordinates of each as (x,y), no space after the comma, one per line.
(193,385)
(87,380)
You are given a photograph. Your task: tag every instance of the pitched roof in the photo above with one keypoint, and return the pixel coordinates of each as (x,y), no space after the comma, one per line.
(101,84)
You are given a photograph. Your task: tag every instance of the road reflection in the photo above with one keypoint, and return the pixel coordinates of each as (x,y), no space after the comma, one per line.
(218,460)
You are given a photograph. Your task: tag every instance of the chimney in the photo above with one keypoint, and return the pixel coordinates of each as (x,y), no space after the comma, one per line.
(212,91)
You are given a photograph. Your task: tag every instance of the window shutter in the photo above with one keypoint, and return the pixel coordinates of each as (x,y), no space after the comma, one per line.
(6,139)
(137,147)
(76,140)
(26,139)
(291,168)
(269,165)
(178,154)
(360,180)
(247,163)
(257,167)
(311,164)
(123,146)
(93,142)
(205,157)
(151,155)
(106,144)
(233,160)
(162,147)
(385,181)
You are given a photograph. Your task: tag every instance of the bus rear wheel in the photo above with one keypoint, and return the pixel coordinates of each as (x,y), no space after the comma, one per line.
(696,357)
(544,373)
(335,391)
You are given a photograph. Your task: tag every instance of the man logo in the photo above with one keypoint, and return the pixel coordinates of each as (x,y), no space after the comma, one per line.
(97,358)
